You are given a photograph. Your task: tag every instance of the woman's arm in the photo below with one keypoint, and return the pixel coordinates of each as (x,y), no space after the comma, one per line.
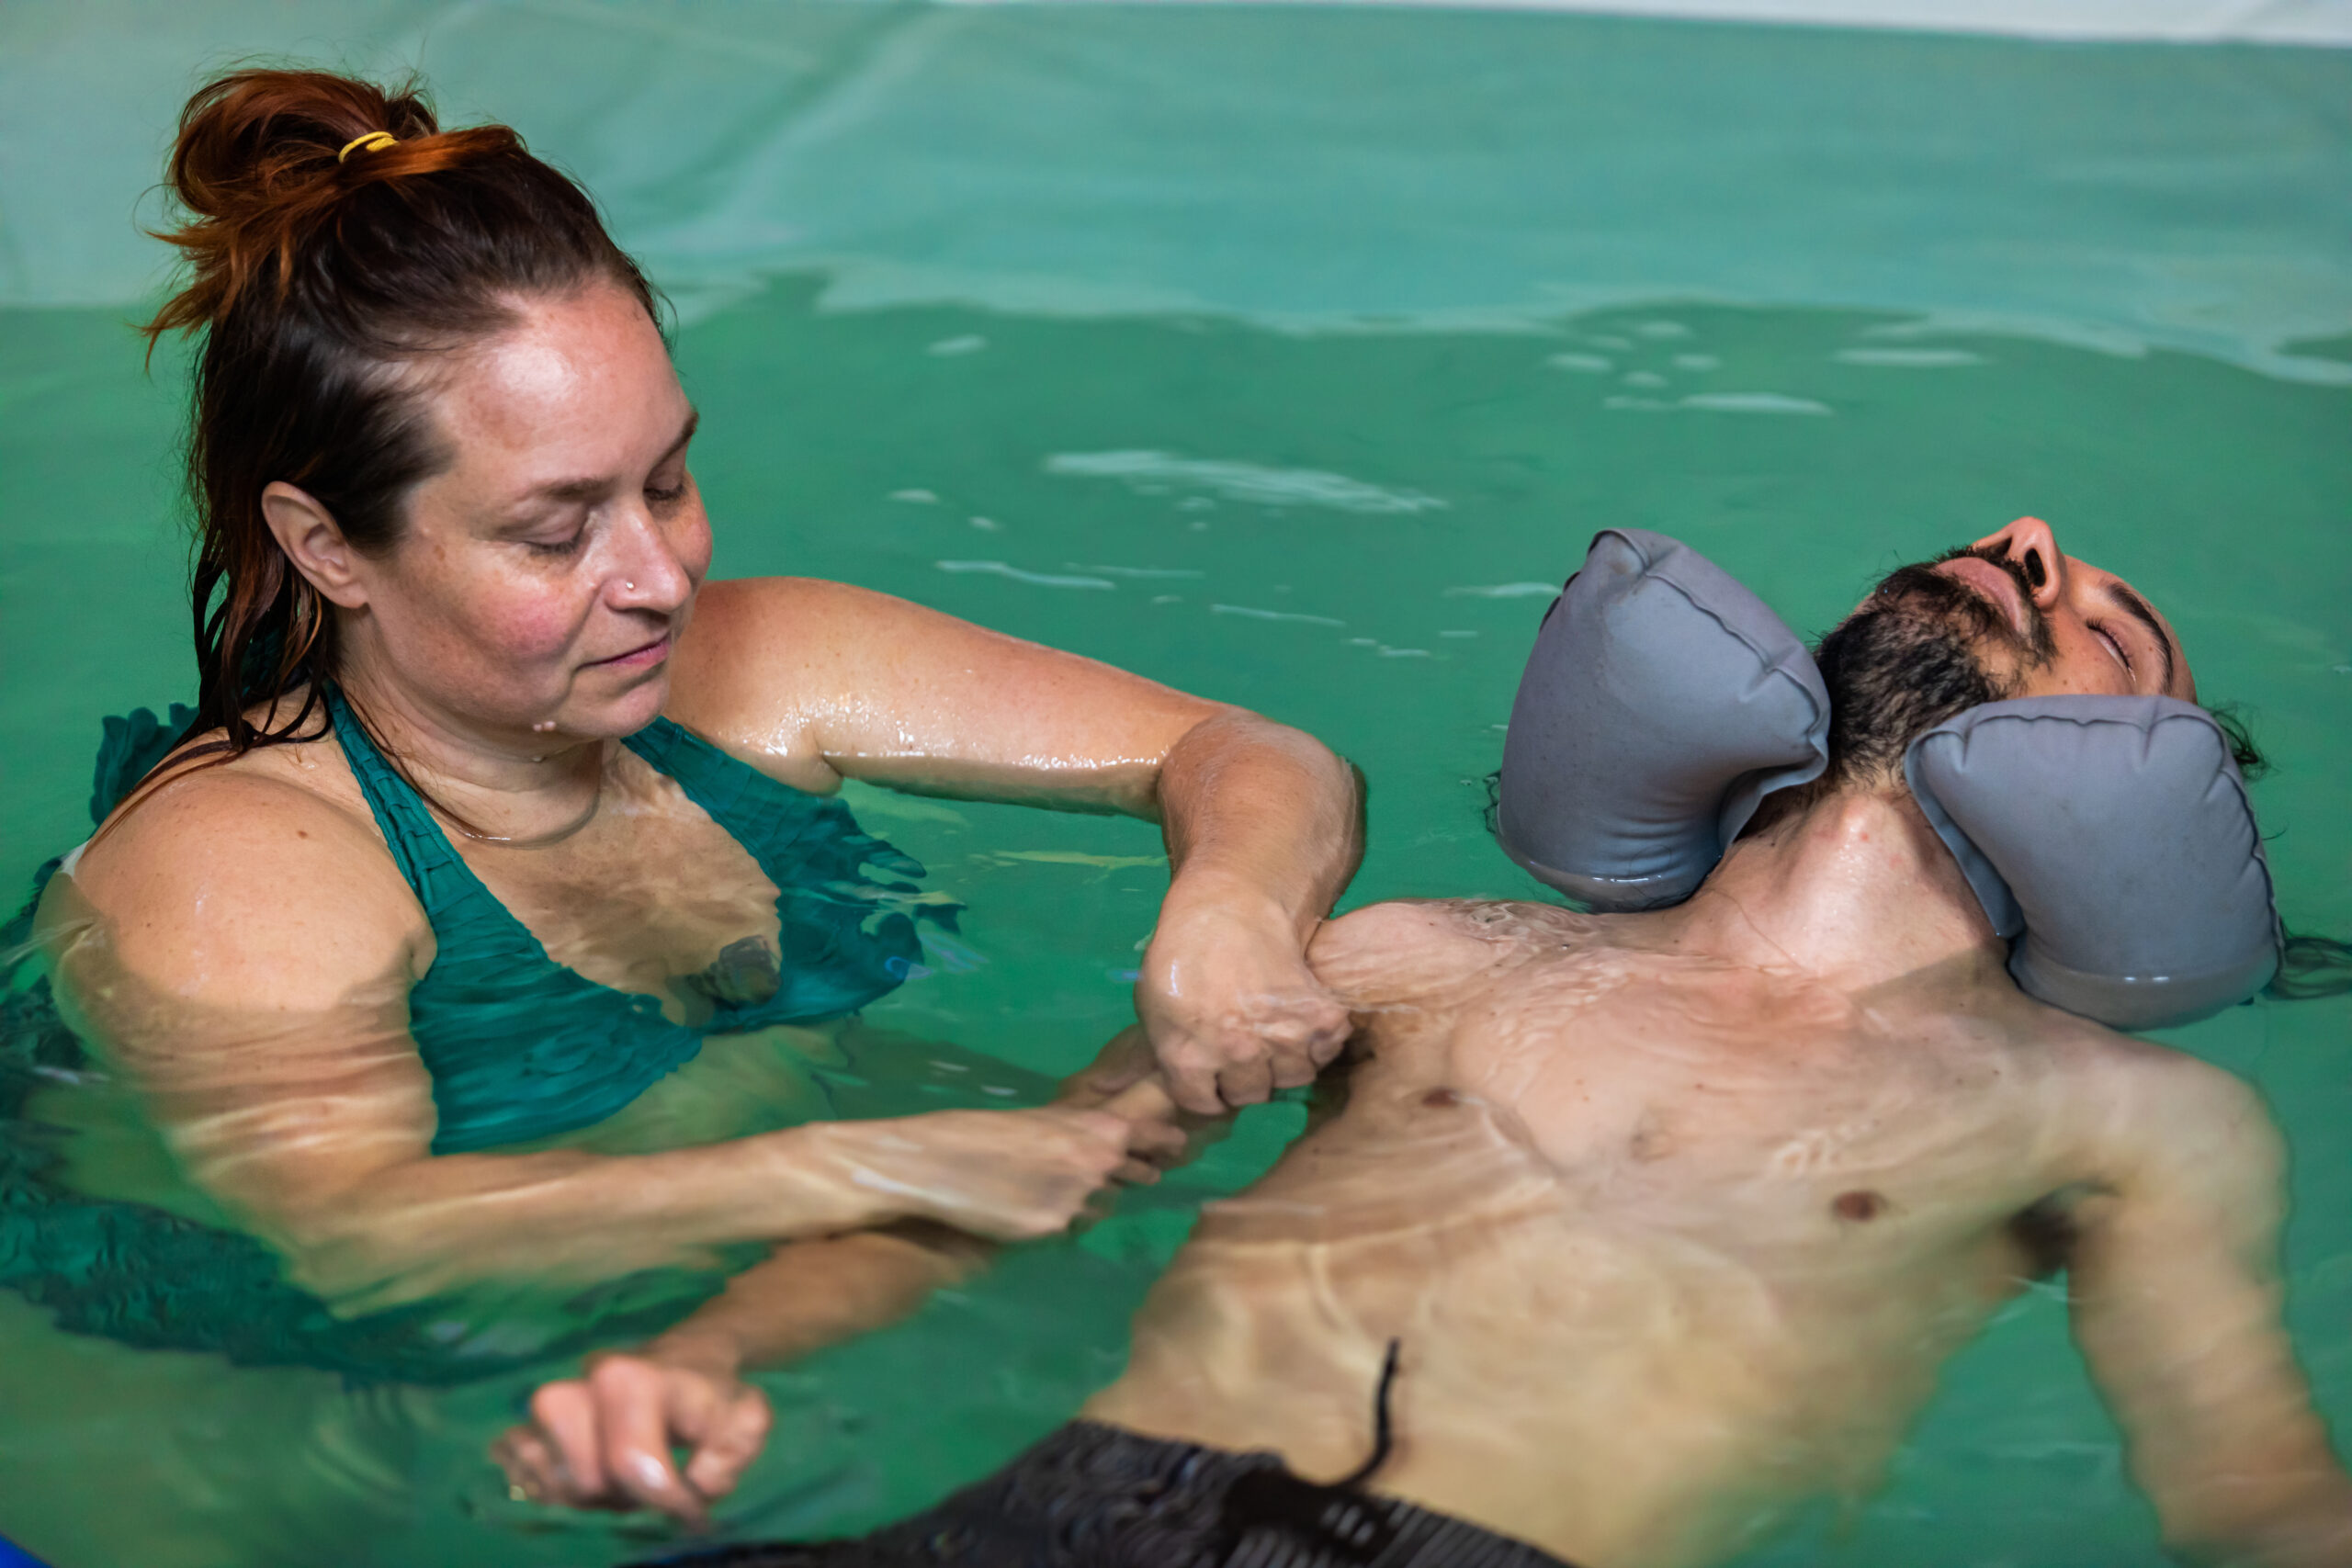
(244,950)
(603,1440)
(815,681)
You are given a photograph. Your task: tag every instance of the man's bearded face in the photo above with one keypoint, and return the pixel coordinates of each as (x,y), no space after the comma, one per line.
(1922,647)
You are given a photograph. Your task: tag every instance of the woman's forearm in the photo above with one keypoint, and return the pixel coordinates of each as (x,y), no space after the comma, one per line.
(443,1222)
(1260,819)
(414,1227)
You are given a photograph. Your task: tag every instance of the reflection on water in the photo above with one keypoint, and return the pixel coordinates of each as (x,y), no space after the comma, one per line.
(819,429)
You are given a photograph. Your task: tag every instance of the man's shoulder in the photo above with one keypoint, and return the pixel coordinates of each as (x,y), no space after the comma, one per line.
(2142,1106)
(1419,947)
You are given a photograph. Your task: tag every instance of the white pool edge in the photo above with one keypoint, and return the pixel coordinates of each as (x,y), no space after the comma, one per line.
(2323,24)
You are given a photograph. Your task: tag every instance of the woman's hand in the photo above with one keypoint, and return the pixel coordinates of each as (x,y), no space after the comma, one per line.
(1232,1008)
(816,681)
(604,1440)
(1007,1175)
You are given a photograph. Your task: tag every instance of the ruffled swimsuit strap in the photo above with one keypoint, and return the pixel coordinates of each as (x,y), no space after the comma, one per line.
(442,881)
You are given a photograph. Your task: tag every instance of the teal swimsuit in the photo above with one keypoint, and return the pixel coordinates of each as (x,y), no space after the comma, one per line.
(518,1045)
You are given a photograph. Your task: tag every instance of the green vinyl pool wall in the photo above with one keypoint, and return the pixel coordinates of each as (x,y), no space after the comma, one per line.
(1284,354)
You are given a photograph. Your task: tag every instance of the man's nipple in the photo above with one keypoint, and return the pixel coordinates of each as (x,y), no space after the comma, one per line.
(1860,1204)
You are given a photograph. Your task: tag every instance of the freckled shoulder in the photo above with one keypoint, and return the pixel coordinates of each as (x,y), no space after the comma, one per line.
(1416,949)
(213,877)
(764,656)
(759,640)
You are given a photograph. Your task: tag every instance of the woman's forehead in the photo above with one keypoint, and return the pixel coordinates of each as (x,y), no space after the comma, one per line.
(580,384)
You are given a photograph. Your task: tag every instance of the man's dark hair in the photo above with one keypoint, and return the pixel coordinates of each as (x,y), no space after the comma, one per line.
(1893,676)
(2251,763)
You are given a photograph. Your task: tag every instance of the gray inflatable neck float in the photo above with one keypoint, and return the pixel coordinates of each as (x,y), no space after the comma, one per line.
(2108,838)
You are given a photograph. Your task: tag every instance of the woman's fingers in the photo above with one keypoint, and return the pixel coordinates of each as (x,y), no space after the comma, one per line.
(640,1409)
(1142,1102)
(733,1440)
(1292,1067)
(565,1412)
(1191,1079)
(1247,1082)
(531,1466)
(604,1440)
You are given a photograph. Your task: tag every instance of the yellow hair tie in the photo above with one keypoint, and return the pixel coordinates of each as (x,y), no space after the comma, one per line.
(374,141)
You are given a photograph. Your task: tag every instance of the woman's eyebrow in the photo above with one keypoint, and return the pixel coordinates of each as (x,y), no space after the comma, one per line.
(685,433)
(597,488)
(2132,605)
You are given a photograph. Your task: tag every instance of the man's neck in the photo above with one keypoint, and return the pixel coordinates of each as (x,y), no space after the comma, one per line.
(1855,888)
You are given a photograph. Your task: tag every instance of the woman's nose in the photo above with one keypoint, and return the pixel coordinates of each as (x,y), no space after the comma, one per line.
(650,576)
(2029,542)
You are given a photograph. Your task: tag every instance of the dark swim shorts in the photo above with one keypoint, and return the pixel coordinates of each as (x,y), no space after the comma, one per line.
(1097,1496)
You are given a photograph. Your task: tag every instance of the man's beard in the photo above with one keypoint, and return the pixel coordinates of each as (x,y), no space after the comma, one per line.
(1913,656)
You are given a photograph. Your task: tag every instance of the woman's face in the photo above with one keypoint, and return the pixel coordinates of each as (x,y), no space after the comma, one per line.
(545,572)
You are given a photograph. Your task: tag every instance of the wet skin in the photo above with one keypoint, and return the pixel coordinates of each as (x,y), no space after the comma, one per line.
(1675,1215)
(1673,1242)
(241,946)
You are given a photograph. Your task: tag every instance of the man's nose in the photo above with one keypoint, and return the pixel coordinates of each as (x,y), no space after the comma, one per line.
(2029,542)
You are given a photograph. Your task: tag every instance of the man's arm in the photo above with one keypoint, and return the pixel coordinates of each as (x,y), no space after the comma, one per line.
(2176,1294)
(603,1440)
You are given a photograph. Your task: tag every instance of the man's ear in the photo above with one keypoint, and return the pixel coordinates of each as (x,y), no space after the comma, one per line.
(309,534)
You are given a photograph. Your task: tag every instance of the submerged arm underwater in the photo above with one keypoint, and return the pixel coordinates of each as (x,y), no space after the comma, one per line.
(298,1103)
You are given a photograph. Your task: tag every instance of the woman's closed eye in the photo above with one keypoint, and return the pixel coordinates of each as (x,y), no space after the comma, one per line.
(557,549)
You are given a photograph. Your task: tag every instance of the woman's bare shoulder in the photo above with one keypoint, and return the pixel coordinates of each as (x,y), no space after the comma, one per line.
(261,875)
(755,638)
(803,621)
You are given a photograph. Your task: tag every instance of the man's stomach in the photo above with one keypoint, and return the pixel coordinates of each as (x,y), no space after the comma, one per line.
(1621,1398)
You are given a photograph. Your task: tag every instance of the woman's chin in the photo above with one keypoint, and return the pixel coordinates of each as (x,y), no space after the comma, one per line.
(593,716)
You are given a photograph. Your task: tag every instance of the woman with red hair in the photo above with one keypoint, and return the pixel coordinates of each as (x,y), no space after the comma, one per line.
(492,812)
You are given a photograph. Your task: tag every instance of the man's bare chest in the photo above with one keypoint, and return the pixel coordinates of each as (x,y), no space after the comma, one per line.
(1759,1113)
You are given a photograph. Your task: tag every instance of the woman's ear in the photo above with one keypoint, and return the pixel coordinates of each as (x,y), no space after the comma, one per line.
(306,532)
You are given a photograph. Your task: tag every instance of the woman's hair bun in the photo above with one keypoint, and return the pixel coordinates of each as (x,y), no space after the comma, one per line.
(259,166)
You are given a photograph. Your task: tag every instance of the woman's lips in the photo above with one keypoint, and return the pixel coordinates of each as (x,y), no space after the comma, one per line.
(1993,584)
(650,654)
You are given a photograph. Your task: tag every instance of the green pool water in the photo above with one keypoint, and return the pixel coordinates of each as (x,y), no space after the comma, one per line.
(1290,357)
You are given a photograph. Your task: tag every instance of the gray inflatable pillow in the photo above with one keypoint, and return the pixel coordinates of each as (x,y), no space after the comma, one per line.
(2110,838)
(1662,702)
